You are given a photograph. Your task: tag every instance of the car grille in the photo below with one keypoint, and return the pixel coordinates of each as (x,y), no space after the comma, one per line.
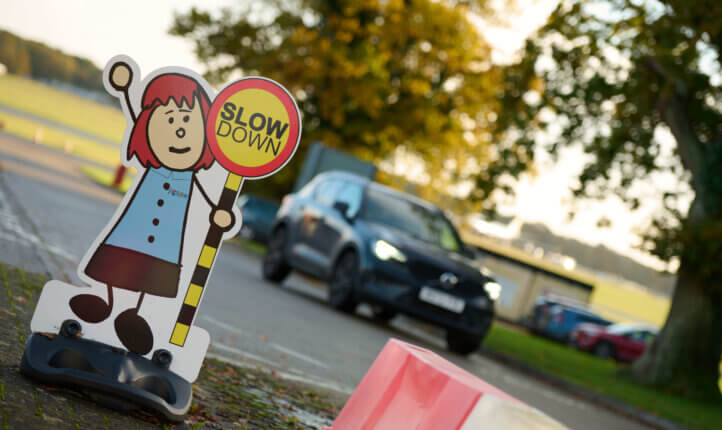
(425,272)
(429,274)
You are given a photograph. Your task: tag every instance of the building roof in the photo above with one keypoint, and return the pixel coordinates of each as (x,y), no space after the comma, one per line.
(517,256)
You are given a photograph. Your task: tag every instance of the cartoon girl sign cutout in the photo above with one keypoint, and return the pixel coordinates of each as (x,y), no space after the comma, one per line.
(143,250)
(146,271)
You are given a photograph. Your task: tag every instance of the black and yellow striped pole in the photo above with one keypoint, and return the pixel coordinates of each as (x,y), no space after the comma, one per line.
(205,262)
(254,128)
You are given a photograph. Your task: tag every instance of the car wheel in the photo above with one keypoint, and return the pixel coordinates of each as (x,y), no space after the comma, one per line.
(342,285)
(275,267)
(462,343)
(383,313)
(604,350)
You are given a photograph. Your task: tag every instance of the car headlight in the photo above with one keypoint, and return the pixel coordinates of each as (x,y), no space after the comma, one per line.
(493,289)
(386,251)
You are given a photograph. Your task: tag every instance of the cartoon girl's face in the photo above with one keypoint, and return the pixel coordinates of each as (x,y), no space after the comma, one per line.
(176,134)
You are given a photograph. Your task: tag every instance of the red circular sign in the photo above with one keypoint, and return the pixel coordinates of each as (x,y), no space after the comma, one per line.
(220,107)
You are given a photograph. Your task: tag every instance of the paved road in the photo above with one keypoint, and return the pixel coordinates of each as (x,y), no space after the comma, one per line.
(49,215)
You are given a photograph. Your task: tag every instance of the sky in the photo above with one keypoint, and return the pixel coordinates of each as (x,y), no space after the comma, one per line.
(99,30)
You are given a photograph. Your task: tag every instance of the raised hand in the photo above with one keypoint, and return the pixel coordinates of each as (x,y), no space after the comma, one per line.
(121,76)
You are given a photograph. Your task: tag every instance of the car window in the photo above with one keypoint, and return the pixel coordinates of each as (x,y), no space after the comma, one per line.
(409,217)
(447,238)
(638,336)
(350,194)
(326,191)
(594,319)
(620,329)
(648,337)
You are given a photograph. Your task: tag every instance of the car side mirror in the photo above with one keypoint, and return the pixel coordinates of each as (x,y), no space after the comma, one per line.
(342,208)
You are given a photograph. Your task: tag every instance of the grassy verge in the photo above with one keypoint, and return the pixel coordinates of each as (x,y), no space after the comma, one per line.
(59,139)
(601,376)
(254,399)
(225,396)
(105,177)
(62,107)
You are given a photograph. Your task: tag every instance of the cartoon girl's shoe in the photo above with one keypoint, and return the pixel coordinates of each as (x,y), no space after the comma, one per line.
(134,332)
(90,308)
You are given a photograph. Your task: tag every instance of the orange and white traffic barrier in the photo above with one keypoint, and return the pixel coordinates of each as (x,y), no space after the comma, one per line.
(408,387)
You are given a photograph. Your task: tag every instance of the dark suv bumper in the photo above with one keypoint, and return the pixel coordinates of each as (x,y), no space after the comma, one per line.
(397,290)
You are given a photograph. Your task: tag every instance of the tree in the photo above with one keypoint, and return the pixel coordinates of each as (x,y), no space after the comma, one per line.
(370,76)
(34,59)
(614,76)
(13,54)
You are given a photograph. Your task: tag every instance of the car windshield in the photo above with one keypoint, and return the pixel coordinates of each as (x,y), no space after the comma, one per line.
(409,217)
(620,329)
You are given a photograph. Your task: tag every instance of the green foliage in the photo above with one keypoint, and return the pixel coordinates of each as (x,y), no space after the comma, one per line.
(613,76)
(36,60)
(369,75)
(608,75)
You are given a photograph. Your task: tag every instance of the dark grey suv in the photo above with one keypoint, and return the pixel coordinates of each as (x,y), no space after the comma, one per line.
(376,245)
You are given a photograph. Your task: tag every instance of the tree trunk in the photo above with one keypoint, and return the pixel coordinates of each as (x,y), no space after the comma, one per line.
(685,356)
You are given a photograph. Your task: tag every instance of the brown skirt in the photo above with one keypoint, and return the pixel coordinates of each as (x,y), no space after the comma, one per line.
(134,271)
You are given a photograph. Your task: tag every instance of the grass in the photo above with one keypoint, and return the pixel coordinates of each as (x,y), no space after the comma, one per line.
(62,107)
(105,177)
(109,123)
(58,139)
(224,396)
(601,376)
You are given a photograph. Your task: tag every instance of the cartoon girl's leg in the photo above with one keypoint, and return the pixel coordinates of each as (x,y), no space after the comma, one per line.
(133,331)
(91,308)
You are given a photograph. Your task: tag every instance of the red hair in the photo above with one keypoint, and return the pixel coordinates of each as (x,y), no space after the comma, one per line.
(160,90)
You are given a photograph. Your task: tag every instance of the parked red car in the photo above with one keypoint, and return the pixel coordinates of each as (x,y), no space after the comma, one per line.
(622,342)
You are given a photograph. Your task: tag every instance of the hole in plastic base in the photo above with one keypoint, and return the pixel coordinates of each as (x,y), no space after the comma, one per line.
(155,385)
(72,359)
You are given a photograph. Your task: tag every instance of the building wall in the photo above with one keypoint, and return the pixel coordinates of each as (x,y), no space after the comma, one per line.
(545,284)
(629,303)
(515,284)
(321,159)
(521,285)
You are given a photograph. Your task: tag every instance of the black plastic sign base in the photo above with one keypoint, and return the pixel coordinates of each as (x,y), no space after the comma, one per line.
(113,377)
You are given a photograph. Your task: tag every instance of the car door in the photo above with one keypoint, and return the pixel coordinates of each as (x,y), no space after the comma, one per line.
(333,225)
(632,345)
(312,211)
